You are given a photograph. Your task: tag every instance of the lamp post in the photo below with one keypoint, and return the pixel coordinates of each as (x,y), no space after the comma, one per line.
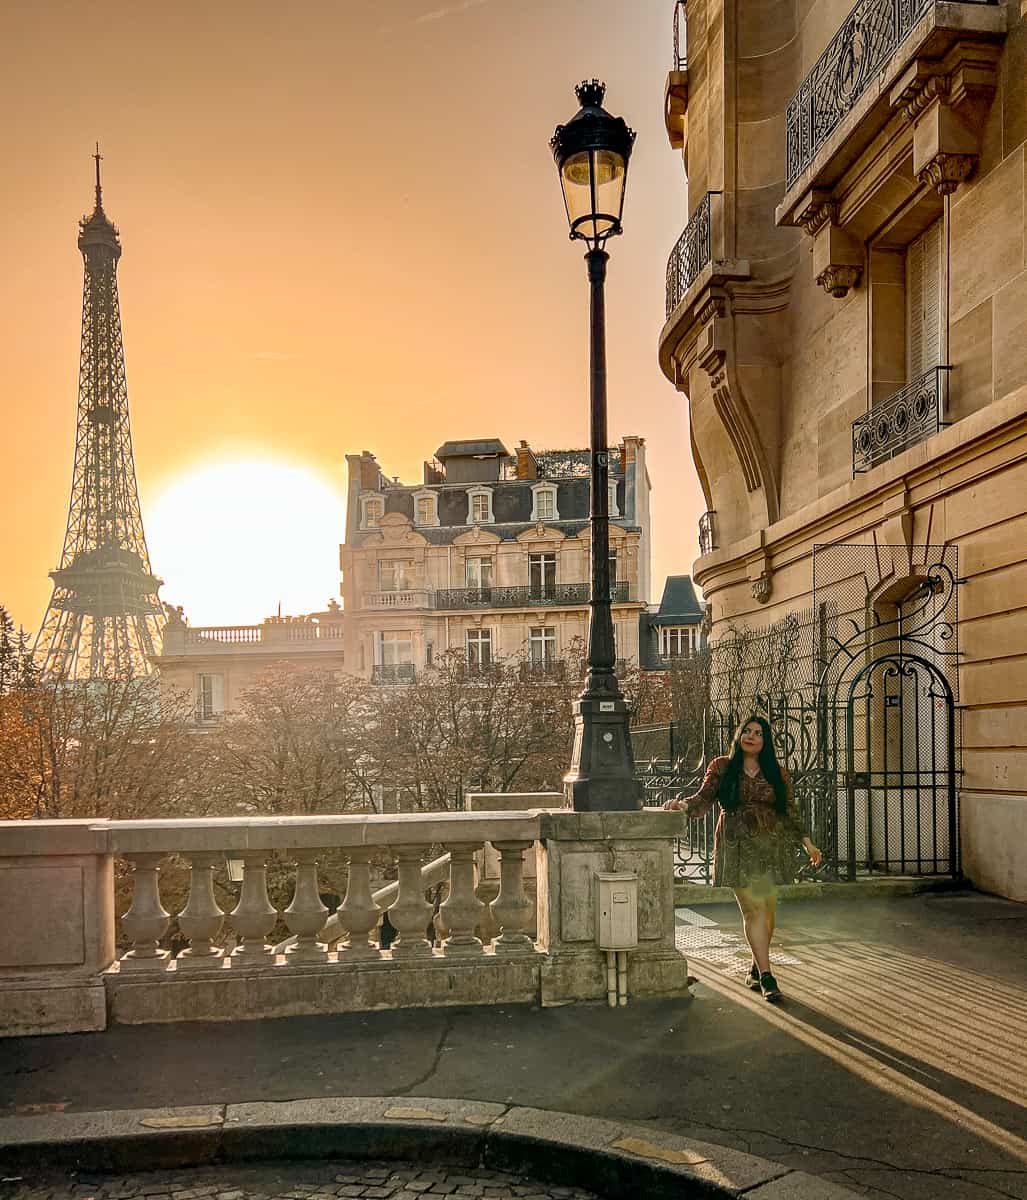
(592,152)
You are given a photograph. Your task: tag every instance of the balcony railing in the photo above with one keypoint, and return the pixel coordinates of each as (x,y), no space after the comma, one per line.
(551,669)
(393,673)
(690,254)
(707,536)
(868,37)
(912,415)
(224,638)
(523,597)
(414,598)
(680,36)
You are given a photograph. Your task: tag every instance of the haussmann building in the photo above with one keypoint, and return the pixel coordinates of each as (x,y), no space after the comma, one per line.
(846,319)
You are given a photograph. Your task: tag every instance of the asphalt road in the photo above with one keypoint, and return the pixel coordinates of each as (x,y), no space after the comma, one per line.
(896,1064)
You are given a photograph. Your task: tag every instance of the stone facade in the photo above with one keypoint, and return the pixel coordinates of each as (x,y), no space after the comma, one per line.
(847,325)
(216,664)
(488,557)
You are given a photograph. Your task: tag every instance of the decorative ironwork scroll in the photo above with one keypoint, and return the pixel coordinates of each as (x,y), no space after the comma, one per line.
(523,597)
(868,36)
(691,253)
(707,537)
(910,416)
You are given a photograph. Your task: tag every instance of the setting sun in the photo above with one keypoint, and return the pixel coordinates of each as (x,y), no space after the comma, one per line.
(234,540)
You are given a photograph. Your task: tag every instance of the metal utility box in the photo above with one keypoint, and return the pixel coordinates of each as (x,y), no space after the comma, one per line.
(617,910)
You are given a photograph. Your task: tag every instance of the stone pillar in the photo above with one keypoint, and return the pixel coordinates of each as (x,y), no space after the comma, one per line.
(57,932)
(573,847)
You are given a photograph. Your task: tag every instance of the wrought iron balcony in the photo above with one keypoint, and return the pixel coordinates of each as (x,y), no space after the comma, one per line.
(523,597)
(910,416)
(393,673)
(868,37)
(552,669)
(680,36)
(707,538)
(690,254)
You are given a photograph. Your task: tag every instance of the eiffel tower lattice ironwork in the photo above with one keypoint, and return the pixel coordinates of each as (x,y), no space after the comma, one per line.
(104,617)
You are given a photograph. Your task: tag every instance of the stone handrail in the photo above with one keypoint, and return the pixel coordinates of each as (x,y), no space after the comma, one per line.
(62,970)
(205,843)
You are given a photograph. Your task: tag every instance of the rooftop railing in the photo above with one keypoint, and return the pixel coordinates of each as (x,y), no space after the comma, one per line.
(691,253)
(910,416)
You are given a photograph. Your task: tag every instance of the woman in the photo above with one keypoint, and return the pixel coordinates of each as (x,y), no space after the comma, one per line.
(757,834)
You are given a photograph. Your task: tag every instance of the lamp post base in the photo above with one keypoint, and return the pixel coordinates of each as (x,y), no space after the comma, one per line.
(602,772)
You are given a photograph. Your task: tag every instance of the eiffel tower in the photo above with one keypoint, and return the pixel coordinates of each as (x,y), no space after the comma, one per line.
(104,617)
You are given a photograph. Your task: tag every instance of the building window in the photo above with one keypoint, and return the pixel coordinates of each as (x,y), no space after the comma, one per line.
(613,566)
(395,648)
(210,697)
(542,645)
(678,641)
(395,574)
(426,508)
(478,573)
(613,509)
(541,575)
(544,503)
(479,647)
(479,503)
(372,509)
(924,308)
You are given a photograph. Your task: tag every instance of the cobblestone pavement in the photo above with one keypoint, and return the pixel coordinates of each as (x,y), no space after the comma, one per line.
(338,1180)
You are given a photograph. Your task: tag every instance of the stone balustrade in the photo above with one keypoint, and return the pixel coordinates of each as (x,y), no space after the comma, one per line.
(63,967)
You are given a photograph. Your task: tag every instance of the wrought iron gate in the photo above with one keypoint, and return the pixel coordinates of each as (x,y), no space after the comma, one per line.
(867,719)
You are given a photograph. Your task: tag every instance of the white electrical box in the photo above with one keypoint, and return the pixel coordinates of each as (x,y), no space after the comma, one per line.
(617,910)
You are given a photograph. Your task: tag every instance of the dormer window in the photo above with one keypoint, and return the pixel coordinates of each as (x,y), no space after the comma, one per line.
(479,506)
(372,509)
(544,502)
(426,508)
(614,510)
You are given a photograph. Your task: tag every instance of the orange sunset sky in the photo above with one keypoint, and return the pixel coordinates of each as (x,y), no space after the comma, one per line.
(342,230)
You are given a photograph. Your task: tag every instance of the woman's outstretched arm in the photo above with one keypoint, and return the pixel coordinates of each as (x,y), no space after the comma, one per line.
(699,804)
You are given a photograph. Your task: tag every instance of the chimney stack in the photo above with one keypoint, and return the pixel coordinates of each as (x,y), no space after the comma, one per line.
(527,464)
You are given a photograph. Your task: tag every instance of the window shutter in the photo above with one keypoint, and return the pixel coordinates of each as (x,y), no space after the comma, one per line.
(923,301)
(914,307)
(218,693)
(932,298)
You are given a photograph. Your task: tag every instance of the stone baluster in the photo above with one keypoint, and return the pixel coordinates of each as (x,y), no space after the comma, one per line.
(146,921)
(306,915)
(411,913)
(254,916)
(461,910)
(511,909)
(358,913)
(201,919)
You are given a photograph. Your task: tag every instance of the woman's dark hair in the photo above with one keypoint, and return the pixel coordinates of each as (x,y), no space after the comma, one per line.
(730,782)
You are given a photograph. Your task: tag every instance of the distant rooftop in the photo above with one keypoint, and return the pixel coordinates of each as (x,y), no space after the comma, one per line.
(472,448)
(679,604)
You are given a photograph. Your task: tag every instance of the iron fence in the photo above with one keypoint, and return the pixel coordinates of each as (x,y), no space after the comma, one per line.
(911,415)
(691,253)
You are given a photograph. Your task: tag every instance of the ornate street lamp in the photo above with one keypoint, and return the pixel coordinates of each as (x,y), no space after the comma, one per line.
(592,152)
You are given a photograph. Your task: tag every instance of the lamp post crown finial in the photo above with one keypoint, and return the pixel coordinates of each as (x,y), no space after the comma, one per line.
(590,93)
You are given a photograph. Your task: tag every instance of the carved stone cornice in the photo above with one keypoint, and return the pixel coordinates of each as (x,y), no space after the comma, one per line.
(945,172)
(837,279)
(818,210)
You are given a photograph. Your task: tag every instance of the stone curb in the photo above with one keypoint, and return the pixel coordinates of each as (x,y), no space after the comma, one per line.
(692,895)
(612,1158)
